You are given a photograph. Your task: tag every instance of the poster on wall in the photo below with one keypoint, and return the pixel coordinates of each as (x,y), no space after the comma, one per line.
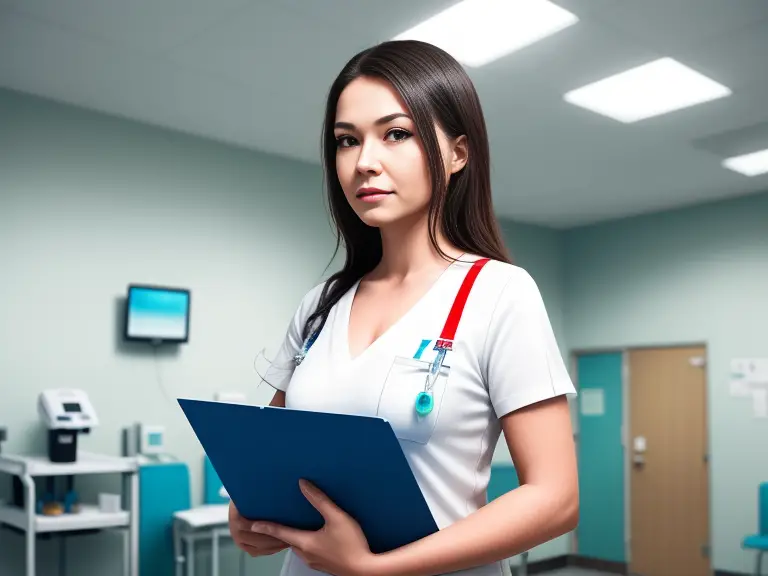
(749,379)
(750,370)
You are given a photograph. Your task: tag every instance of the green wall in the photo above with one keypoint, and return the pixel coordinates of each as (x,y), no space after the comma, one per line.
(540,251)
(687,276)
(89,203)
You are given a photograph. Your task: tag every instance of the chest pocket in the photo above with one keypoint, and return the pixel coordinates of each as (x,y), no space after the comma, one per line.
(407,377)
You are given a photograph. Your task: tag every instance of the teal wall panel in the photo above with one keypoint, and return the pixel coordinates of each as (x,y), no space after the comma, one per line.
(601,457)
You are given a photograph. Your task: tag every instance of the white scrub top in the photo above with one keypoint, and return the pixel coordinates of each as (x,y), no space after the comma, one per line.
(504,357)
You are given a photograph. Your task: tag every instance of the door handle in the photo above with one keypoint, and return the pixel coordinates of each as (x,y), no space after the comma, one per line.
(639,447)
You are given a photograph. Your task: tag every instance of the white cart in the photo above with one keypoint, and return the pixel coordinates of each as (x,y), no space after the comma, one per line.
(27,468)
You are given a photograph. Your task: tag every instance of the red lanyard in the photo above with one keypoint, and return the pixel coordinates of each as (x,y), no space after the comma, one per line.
(424,400)
(457,310)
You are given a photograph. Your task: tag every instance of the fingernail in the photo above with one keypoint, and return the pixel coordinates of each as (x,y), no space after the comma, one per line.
(260,528)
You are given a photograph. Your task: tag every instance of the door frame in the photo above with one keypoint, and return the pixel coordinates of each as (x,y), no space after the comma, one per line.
(625,428)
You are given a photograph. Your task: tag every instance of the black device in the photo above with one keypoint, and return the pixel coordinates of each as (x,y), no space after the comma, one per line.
(62,445)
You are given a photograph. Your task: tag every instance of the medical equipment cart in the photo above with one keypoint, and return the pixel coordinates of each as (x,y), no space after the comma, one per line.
(25,519)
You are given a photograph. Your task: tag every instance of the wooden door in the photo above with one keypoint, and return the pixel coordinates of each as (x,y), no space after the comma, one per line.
(669,471)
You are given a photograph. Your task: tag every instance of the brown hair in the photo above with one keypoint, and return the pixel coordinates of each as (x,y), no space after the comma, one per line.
(435,89)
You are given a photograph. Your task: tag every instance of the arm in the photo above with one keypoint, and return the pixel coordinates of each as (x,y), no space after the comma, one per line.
(546,504)
(278,399)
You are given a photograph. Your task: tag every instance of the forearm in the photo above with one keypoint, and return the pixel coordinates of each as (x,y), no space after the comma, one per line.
(511,524)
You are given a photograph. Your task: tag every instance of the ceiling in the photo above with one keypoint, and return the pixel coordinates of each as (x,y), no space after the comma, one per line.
(255,73)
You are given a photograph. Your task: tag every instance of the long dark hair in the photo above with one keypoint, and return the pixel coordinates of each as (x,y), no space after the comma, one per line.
(435,88)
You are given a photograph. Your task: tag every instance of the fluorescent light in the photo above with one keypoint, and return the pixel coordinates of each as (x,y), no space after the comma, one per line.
(752,164)
(476,32)
(649,90)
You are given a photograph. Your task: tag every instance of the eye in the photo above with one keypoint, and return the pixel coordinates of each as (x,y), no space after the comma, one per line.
(345,141)
(398,134)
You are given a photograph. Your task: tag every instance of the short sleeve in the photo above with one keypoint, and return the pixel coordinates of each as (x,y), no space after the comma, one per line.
(523,364)
(281,369)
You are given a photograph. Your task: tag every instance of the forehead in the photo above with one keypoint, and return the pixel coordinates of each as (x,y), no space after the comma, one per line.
(365,100)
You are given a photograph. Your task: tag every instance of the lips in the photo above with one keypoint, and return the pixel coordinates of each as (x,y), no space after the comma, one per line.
(365,192)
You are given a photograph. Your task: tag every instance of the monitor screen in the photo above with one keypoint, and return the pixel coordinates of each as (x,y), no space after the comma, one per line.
(157,314)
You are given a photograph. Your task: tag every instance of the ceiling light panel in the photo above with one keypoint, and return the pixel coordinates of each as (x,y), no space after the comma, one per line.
(752,164)
(652,89)
(477,32)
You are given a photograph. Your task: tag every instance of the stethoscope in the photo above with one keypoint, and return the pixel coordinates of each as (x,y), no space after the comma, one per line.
(425,401)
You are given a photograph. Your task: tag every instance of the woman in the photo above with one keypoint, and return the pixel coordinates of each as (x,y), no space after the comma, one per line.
(407,171)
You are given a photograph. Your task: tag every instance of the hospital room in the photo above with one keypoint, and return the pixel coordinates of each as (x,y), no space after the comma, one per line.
(368,288)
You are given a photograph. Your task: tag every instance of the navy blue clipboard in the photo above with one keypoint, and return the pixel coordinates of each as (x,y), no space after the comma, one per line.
(260,453)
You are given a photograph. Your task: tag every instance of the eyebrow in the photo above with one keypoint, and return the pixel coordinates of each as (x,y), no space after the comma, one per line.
(383,120)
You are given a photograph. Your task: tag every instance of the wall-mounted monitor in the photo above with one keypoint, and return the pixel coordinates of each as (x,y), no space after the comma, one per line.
(157,314)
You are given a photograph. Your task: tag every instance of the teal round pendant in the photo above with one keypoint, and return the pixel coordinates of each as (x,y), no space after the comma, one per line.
(424,403)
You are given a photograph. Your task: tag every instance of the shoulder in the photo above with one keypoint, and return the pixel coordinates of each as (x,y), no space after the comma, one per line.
(502,273)
(507,299)
(309,302)
(506,286)
(520,359)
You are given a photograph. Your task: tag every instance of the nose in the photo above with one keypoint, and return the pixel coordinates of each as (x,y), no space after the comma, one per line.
(368,160)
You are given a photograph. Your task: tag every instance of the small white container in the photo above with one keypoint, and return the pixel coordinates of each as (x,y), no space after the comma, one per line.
(110,503)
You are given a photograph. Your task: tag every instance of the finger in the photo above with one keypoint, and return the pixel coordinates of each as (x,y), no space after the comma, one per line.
(319,500)
(259,540)
(263,550)
(291,536)
(244,524)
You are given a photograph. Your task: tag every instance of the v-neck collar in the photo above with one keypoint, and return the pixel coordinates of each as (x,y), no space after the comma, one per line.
(349,299)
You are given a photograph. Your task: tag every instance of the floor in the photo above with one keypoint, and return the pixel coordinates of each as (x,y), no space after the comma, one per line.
(574,571)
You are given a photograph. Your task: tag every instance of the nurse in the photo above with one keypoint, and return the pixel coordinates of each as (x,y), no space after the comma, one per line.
(428,325)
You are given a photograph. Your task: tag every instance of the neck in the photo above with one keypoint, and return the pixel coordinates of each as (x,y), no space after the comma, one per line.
(407,250)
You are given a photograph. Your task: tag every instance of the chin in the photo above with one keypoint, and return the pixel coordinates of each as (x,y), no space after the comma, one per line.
(377,218)
(384,216)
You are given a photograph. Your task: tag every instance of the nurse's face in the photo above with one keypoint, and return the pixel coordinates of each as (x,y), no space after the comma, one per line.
(380,162)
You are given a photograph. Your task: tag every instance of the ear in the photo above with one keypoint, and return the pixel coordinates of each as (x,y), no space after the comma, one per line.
(459,154)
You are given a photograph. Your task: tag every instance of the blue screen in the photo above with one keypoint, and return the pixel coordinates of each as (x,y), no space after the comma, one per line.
(157,313)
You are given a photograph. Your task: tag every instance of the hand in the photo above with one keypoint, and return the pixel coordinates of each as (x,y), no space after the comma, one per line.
(339,547)
(248,541)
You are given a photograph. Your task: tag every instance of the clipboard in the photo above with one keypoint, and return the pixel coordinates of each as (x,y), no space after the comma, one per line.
(261,452)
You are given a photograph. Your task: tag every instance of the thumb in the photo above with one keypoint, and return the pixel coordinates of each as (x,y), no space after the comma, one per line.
(318,499)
